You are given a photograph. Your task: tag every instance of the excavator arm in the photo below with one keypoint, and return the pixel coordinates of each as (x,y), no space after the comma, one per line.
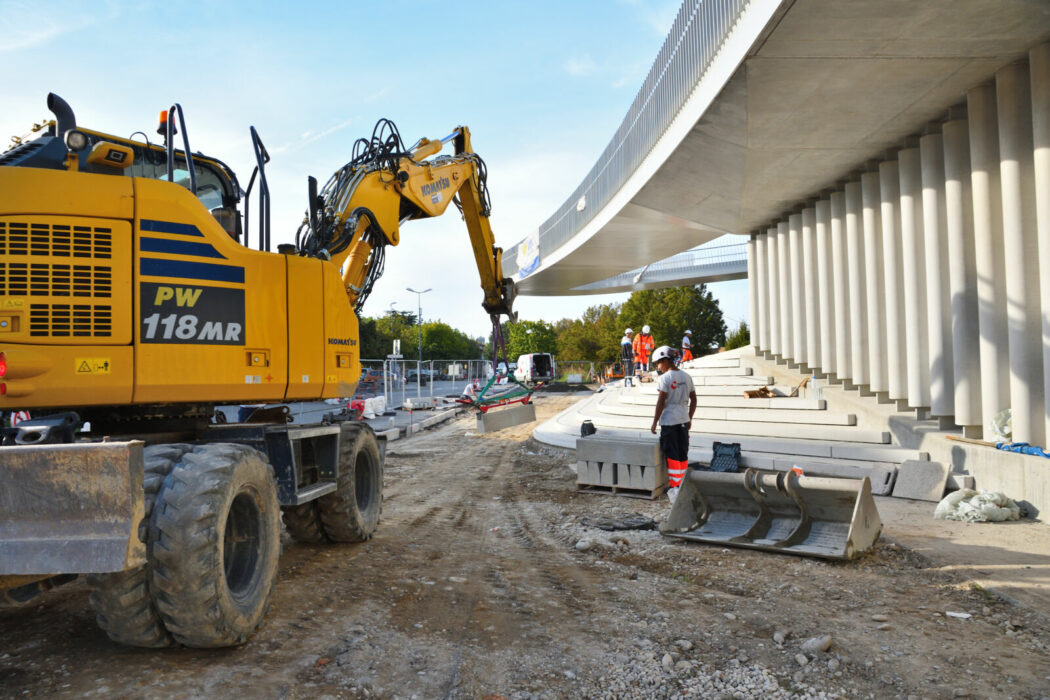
(359,212)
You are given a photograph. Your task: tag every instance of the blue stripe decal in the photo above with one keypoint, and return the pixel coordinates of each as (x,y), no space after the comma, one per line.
(166,245)
(170,227)
(155,267)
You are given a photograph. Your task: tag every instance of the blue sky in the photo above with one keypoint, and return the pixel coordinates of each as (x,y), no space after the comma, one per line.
(542,86)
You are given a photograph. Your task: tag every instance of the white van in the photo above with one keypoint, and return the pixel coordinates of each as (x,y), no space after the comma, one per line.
(535,367)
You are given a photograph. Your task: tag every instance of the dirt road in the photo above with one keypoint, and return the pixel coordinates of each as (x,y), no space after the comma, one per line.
(478,585)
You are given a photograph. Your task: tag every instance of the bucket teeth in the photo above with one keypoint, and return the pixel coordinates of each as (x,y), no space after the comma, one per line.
(777,512)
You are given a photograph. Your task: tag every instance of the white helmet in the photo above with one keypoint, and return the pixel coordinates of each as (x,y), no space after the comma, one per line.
(664,353)
(628,331)
(645,329)
(688,332)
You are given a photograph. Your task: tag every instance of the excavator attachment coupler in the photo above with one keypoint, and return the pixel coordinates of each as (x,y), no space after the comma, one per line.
(777,512)
(73,508)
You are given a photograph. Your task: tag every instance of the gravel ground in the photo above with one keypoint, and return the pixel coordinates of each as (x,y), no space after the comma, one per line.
(484,582)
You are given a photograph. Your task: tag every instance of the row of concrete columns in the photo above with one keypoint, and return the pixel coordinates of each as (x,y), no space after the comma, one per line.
(925,278)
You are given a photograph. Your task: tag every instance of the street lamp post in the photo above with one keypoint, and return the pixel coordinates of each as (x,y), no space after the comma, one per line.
(419,322)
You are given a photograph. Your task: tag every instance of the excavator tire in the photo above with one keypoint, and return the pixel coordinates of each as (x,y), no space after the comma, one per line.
(351,512)
(303,523)
(215,538)
(122,602)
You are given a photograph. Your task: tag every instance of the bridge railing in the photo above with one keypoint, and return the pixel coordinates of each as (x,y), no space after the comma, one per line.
(698,32)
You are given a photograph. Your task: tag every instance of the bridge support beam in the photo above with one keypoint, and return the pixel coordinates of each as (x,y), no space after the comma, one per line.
(760,324)
(826,287)
(773,288)
(809,283)
(1020,247)
(1039,65)
(938,298)
(871,206)
(798,291)
(752,291)
(840,273)
(787,346)
(913,259)
(857,312)
(988,241)
(962,274)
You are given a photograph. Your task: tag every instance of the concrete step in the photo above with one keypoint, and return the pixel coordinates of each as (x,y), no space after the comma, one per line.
(749,381)
(695,372)
(711,361)
(612,405)
(806,432)
(734,402)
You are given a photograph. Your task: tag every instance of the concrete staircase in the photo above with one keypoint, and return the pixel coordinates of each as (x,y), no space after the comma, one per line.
(774,433)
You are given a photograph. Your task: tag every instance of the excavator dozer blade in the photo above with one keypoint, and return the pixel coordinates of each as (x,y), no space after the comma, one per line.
(777,512)
(73,508)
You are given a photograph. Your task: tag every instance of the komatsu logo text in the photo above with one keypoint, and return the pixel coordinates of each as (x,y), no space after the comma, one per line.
(431,187)
(342,341)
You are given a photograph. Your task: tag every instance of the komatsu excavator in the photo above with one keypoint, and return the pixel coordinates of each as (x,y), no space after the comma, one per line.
(130,303)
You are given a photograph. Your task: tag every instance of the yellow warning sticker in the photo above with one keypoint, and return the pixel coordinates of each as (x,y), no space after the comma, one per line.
(331,378)
(13,304)
(92,365)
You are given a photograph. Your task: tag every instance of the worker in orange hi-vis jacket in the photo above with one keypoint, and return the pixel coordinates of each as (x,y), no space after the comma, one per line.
(675,406)
(643,348)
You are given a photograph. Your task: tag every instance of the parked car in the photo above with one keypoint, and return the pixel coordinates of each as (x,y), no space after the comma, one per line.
(535,367)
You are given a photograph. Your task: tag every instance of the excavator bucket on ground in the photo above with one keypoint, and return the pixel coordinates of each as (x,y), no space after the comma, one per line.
(777,512)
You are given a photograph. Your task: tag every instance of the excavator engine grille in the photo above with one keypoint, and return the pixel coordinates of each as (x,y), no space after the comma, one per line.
(69,276)
(70,320)
(55,240)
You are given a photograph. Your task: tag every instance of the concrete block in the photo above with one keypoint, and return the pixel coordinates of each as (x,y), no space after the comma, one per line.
(603,449)
(506,417)
(748,382)
(887,453)
(961,481)
(924,481)
(623,475)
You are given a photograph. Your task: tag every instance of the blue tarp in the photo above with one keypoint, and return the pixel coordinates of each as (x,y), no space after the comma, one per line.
(1023,448)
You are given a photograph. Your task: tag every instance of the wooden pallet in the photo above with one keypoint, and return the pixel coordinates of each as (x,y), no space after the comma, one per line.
(650,494)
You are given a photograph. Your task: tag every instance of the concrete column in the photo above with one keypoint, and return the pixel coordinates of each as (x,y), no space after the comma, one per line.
(871,203)
(913,257)
(858,335)
(938,296)
(825,287)
(1039,67)
(760,325)
(810,282)
(798,316)
(1020,247)
(773,290)
(896,364)
(752,292)
(840,277)
(988,247)
(787,347)
(962,277)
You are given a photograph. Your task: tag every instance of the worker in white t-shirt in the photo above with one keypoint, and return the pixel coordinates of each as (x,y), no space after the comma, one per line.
(687,346)
(675,406)
(627,356)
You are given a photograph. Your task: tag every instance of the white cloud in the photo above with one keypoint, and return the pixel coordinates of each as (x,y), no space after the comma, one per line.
(24,25)
(580,66)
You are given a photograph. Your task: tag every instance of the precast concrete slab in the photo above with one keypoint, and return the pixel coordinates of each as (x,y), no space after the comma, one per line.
(505,417)
(740,381)
(924,481)
(875,454)
(779,415)
(737,371)
(620,465)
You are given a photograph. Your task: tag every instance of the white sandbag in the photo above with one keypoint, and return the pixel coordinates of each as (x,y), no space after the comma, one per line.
(969,506)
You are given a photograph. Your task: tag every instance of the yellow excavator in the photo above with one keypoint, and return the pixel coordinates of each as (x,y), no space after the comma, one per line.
(131,305)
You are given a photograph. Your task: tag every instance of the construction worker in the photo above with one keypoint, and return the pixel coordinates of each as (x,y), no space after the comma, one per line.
(687,346)
(643,348)
(675,406)
(627,357)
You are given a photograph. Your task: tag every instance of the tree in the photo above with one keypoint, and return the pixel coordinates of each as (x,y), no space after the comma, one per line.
(738,338)
(443,342)
(669,312)
(530,336)
(594,337)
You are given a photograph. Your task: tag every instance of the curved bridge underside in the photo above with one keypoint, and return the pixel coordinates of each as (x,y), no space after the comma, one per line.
(789,99)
